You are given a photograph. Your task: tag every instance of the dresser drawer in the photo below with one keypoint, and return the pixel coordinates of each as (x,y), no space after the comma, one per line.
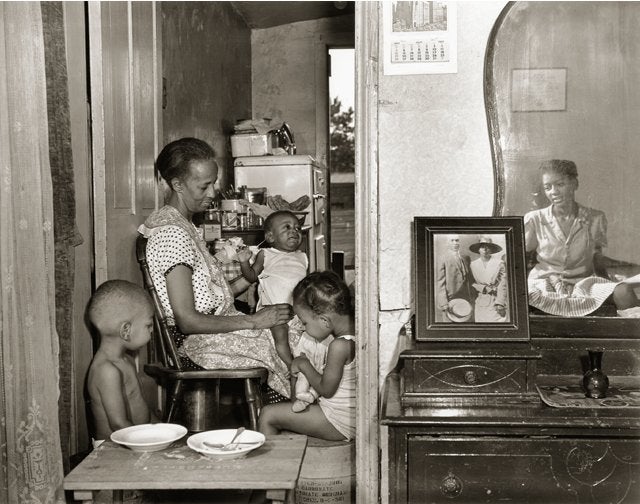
(546,470)
(465,376)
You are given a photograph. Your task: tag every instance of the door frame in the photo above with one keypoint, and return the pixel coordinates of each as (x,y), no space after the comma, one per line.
(366,255)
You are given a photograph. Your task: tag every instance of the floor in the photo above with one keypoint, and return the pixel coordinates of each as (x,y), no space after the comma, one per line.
(184,497)
(195,497)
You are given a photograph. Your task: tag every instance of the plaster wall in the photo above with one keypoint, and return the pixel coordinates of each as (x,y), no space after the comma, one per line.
(289,72)
(434,160)
(207,66)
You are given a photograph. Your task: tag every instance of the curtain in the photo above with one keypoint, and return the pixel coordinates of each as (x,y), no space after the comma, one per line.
(32,469)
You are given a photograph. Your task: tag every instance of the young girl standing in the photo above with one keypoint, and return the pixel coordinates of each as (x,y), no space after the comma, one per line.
(322,302)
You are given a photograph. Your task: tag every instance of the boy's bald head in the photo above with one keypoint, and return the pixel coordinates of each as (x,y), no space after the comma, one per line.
(113,303)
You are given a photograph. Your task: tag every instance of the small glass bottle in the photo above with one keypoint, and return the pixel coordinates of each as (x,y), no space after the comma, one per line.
(595,382)
(211,225)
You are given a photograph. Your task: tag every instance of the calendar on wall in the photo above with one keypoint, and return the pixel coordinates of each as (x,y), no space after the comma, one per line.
(420,37)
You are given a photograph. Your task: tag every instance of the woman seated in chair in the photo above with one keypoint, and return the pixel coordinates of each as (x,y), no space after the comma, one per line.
(569,277)
(197,299)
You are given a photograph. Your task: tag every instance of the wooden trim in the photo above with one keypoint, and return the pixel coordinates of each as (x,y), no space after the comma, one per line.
(75,32)
(157,91)
(492,114)
(322,90)
(132,106)
(366,256)
(98,142)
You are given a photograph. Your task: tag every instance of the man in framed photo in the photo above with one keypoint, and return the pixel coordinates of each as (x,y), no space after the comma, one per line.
(453,282)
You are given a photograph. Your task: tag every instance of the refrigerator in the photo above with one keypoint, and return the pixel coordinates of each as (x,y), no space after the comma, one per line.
(292,176)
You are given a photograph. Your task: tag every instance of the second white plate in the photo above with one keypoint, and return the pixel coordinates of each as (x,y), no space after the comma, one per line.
(253,439)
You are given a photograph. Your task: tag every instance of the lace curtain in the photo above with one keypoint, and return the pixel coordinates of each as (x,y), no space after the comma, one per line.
(29,434)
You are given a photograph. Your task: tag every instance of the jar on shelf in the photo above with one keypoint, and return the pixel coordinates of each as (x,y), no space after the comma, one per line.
(212,224)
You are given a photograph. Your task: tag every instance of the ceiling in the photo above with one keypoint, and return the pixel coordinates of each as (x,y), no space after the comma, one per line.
(267,14)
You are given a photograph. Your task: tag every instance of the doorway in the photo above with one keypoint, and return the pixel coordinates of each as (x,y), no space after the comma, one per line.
(342,155)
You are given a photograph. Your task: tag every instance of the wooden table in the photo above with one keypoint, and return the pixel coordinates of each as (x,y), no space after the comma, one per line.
(273,467)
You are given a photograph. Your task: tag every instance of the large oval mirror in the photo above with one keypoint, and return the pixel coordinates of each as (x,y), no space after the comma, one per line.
(562,81)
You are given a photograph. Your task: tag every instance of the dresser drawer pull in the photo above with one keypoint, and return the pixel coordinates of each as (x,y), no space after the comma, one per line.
(451,486)
(470,377)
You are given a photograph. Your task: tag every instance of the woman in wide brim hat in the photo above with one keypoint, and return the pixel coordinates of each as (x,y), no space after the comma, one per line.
(487,242)
(489,282)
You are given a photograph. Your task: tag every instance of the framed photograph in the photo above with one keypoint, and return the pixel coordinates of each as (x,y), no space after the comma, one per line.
(538,89)
(470,282)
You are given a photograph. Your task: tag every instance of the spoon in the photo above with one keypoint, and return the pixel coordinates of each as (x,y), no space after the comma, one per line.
(227,446)
(222,445)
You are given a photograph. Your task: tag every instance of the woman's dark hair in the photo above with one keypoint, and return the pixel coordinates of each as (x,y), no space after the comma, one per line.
(323,292)
(175,158)
(560,166)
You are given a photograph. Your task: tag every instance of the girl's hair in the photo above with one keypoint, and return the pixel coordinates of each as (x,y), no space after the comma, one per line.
(324,292)
(560,167)
(175,158)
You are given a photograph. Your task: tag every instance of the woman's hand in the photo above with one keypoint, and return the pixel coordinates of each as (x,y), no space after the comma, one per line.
(272,315)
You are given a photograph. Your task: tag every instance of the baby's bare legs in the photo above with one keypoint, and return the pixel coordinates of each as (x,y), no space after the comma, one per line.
(275,418)
(281,337)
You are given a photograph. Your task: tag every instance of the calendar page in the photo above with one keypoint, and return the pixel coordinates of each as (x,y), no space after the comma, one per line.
(419,37)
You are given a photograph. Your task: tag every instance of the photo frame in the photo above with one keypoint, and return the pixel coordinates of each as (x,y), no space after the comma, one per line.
(478,293)
(538,89)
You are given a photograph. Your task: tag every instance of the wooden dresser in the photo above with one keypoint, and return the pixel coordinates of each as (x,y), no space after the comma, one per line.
(482,411)
(468,425)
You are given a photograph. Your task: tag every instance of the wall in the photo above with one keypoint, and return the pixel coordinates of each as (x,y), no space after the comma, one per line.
(290,74)
(207,66)
(434,160)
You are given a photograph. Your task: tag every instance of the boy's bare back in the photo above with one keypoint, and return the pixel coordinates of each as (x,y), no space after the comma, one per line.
(116,395)
(123,314)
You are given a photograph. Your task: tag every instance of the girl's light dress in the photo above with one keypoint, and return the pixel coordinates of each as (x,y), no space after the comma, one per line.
(569,256)
(340,409)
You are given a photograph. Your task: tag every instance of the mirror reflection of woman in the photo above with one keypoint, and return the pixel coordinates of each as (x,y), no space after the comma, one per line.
(569,278)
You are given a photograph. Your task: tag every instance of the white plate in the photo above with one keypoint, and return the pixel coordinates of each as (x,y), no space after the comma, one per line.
(149,437)
(222,436)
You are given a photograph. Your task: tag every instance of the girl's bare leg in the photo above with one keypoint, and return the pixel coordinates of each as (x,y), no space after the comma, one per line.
(276,418)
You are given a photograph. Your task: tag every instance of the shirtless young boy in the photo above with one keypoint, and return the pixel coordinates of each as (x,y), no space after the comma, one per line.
(123,315)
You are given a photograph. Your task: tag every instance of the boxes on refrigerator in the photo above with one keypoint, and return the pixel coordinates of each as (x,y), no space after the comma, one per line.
(253,144)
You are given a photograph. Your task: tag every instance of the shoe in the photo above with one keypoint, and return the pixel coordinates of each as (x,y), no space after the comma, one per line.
(633,312)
